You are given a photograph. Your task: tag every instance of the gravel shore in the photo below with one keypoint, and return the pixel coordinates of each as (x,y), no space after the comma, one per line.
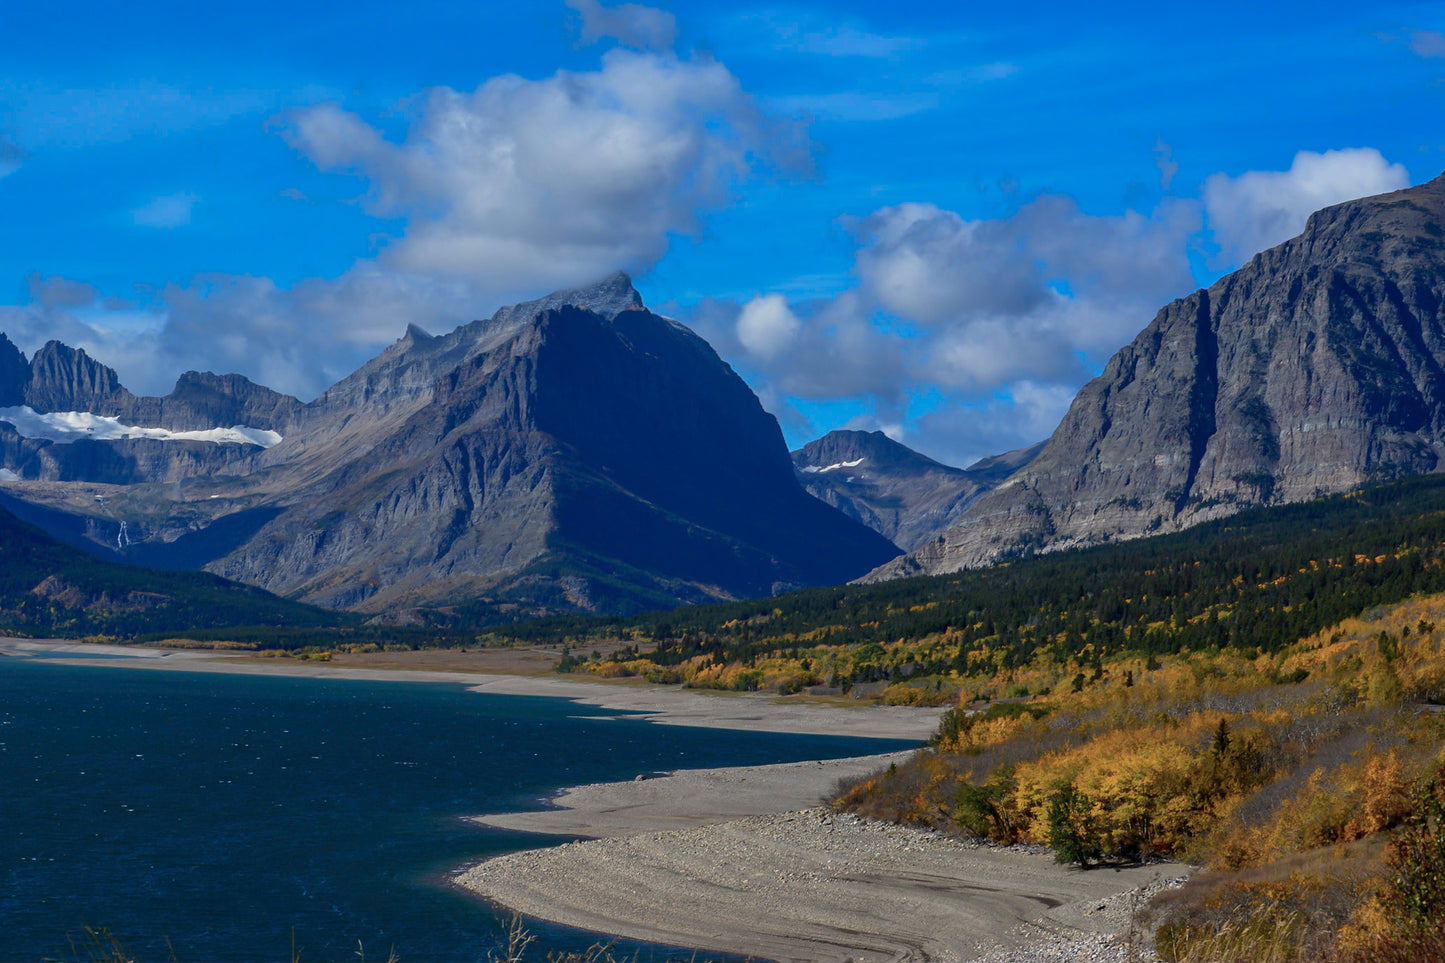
(805,885)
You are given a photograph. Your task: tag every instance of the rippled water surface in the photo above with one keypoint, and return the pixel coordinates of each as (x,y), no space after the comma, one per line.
(233,815)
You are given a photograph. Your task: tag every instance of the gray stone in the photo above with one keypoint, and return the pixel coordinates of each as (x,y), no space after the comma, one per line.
(1313,369)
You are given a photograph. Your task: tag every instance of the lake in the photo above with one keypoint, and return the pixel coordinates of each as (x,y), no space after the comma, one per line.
(239,817)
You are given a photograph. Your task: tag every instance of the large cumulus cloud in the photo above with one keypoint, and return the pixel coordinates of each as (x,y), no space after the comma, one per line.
(1259,209)
(965,337)
(523,185)
(503,192)
(964,334)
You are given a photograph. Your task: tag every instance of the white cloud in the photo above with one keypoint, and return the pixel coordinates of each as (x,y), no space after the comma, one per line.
(1164,160)
(171,210)
(298,340)
(1427,43)
(523,185)
(506,192)
(767,325)
(960,434)
(995,322)
(1259,209)
(630,24)
(1049,279)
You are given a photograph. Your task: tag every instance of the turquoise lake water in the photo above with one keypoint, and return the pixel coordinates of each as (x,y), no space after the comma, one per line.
(234,814)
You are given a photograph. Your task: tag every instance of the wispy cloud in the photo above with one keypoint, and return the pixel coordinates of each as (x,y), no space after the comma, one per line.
(171,210)
(1428,43)
(46,116)
(856,105)
(794,32)
(10,157)
(630,24)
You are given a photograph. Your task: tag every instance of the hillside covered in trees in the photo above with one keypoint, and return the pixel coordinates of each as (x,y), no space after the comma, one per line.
(50,589)
(1309,781)
(1250,584)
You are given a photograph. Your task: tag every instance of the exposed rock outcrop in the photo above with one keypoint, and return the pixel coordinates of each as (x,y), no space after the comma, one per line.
(572,453)
(1318,366)
(557,455)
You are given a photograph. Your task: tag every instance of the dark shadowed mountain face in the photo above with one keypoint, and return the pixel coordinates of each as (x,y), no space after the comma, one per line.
(1316,367)
(906,497)
(577,452)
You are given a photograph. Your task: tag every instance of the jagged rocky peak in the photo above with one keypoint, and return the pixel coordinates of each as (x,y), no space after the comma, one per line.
(406,373)
(14,373)
(63,378)
(1318,366)
(201,400)
(608,297)
(903,495)
(614,462)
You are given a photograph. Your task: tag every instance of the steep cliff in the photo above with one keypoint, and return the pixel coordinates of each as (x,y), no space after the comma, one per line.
(1314,368)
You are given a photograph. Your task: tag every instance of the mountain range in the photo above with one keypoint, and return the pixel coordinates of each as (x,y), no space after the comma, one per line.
(581,453)
(575,452)
(905,496)
(1316,367)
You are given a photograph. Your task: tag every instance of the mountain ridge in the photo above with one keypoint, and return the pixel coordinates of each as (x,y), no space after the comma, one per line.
(568,449)
(902,494)
(1316,367)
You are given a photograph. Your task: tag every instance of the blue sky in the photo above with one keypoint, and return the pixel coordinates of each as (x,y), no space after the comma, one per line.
(938,219)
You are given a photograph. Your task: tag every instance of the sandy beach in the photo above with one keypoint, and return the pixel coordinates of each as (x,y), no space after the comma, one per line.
(745,861)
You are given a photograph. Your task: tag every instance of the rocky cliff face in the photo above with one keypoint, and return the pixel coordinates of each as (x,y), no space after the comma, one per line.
(561,456)
(64,379)
(903,495)
(14,373)
(1318,366)
(575,452)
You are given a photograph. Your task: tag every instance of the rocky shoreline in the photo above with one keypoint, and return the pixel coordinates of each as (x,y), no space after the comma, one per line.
(814,885)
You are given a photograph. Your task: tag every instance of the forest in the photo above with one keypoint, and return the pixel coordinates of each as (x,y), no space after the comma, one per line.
(1253,584)
(1309,782)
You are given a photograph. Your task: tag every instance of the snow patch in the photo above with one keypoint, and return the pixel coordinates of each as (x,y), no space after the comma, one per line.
(815,470)
(8,475)
(64,427)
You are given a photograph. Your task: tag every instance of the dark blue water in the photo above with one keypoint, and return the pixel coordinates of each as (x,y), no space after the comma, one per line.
(234,814)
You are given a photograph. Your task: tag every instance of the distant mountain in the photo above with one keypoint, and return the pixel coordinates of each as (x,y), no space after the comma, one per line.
(1318,366)
(572,453)
(53,411)
(63,379)
(47,588)
(905,496)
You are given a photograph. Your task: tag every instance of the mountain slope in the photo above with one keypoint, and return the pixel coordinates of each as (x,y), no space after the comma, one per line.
(1316,367)
(565,440)
(574,452)
(49,589)
(906,497)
